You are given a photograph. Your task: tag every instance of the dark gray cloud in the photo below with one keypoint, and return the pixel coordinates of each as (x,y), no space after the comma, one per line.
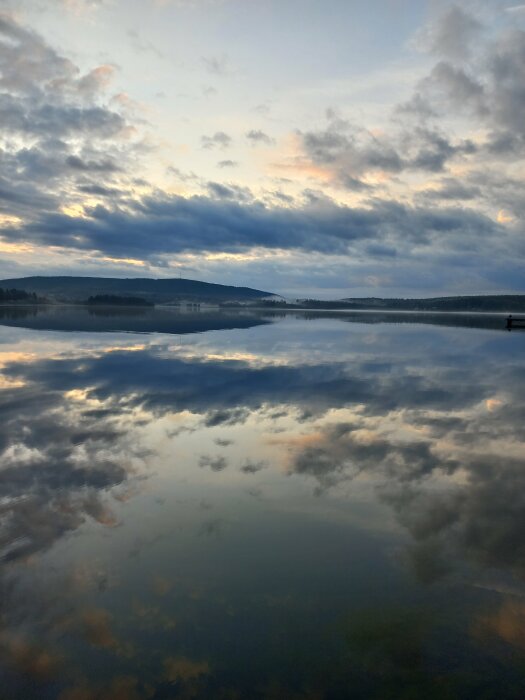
(143,45)
(451,189)
(489,88)
(257,137)
(452,35)
(55,473)
(57,124)
(216,464)
(338,455)
(28,63)
(431,150)
(23,198)
(99,190)
(44,94)
(351,153)
(475,520)
(182,176)
(229,191)
(92,166)
(250,467)
(226,416)
(68,120)
(217,65)
(476,87)
(208,90)
(478,522)
(213,527)
(452,86)
(223,442)
(218,140)
(170,224)
(478,184)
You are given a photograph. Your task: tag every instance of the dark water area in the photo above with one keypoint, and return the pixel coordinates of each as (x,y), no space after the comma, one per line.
(261,506)
(165,319)
(102,319)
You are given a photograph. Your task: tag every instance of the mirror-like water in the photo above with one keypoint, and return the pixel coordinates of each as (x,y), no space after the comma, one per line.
(261,507)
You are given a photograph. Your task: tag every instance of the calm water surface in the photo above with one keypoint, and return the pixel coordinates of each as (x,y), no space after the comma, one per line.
(261,507)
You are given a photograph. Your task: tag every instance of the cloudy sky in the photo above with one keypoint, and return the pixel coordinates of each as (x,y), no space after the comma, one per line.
(306,147)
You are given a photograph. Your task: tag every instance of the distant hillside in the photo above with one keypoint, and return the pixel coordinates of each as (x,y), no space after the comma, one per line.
(490,302)
(496,303)
(78,289)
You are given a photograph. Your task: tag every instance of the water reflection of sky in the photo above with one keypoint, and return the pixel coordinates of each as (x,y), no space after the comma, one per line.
(296,509)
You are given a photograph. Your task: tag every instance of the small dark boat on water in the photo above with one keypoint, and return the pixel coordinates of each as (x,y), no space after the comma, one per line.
(513,322)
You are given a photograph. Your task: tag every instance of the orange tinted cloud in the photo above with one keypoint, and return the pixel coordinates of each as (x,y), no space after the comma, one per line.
(78,693)
(120,688)
(182,669)
(302,166)
(293,161)
(97,629)
(30,659)
(508,623)
(161,586)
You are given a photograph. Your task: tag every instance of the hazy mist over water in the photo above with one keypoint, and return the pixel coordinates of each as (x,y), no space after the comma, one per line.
(264,506)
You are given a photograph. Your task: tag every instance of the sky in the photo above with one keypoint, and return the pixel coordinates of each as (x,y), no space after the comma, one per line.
(311,148)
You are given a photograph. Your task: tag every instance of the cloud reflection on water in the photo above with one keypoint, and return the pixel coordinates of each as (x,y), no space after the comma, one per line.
(433,430)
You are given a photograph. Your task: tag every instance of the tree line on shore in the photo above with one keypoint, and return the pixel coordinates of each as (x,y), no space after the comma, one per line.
(8,295)
(115,300)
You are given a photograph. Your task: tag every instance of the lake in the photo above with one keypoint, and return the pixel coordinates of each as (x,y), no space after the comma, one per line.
(261,506)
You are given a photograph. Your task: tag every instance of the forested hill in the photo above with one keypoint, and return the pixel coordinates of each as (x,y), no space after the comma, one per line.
(491,302)
(78,289)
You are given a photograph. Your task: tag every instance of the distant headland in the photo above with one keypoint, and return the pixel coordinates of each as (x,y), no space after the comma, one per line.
(112,290)
(142,291)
